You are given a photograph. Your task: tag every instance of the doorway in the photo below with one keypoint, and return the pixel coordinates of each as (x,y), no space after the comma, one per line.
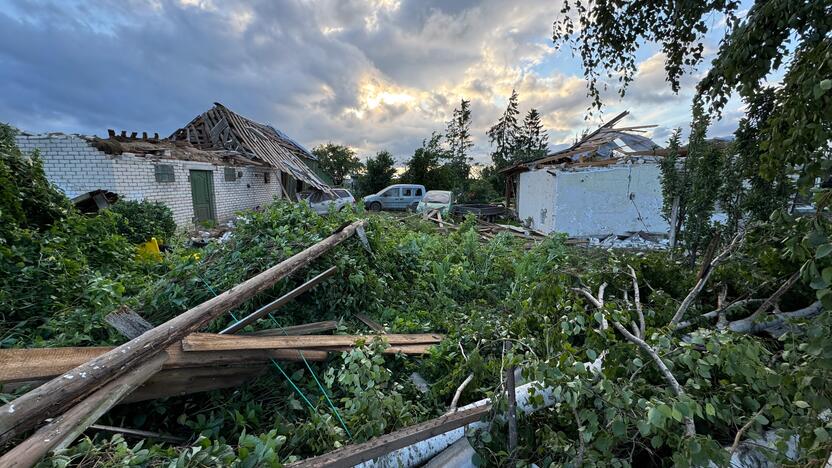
(202,194)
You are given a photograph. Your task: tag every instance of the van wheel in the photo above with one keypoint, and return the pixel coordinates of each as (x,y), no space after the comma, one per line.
(375,206)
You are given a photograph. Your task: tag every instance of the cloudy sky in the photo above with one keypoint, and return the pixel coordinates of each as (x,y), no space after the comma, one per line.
(374,74)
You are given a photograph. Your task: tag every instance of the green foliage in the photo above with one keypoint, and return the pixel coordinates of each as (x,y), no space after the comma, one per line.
(458,137)
(479,191)
(338,161)
(503,135)
(481,296)
(795,134)
(138,221)
(426,166)
(60,271)
(689,183)
(379,173)
(532,142)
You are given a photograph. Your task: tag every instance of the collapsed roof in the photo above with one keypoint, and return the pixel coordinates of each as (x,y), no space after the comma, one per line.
(605,145)
(221,129)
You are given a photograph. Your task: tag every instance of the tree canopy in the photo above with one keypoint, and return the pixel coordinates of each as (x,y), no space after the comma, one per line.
(337,160)
(379,172)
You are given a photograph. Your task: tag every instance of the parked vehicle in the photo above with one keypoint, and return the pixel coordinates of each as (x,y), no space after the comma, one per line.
(436,200)
(443,201)
(322,201)
(396,197)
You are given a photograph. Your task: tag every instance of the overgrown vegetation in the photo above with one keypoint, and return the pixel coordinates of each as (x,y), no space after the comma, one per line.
(481,295)
(141,220)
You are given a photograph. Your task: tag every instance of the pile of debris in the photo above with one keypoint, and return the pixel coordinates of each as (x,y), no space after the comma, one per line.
(488,230)
(630,241)
(76,386)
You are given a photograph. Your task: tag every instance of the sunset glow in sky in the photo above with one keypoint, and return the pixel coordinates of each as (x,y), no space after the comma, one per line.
(379,74)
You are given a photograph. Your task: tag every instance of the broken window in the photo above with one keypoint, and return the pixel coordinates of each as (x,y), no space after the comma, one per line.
(230,174)
(267,177)
(164,173)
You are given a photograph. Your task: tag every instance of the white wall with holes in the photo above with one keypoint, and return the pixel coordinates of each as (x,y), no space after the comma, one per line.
(594,201)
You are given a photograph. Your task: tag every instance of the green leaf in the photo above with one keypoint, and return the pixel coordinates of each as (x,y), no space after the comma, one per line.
(826,85)
(801,404)
(676,414)
(619,428)
(823,250)
(710,410)
(821,435)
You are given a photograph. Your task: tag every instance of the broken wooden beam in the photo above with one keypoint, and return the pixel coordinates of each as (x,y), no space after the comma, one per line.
(213,342)
(351,455)
(61,393)
(64,429)
(279,302)
(375,326)
(24,365)
(127,322)
(414,350)
(305,329)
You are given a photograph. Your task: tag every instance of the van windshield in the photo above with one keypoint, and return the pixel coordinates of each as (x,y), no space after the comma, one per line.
(437,197)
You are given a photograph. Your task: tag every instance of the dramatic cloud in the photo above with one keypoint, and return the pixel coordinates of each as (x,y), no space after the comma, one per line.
(377,74)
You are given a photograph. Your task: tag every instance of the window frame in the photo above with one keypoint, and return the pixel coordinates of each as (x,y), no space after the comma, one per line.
(164,173)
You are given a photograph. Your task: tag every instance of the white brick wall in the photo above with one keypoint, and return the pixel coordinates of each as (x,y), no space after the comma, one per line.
(76,167)
(70,163)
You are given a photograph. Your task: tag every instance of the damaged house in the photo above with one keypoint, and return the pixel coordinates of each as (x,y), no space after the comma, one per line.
(216,165)
(608,182)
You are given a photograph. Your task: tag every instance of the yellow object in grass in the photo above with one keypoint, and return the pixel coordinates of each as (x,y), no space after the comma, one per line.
(150,250)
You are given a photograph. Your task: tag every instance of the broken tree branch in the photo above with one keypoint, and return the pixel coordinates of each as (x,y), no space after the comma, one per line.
(598,302)
(637,299)
(775,324)
(351,455)
(744,428)
(64,429)
(61,393)
(459,392)
(279,302)
(690,428)
(704,274)
(765,306)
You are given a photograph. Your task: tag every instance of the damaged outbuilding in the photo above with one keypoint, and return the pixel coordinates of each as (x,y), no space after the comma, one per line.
(609,182)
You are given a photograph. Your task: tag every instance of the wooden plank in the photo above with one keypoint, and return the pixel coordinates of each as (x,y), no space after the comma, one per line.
(59,394)
(179,382)
(213,342)
(415,350)
(127,322)
(351,455)
(370,323)
(305,329)
(279,302)
(64,429)
(23,365)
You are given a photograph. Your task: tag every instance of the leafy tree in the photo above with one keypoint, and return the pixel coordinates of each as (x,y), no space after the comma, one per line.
(337,160)
(503,135)
(532,142)
(746,195)
(379,173)
(426,168)
(693,187)
(458,137)
(798,129)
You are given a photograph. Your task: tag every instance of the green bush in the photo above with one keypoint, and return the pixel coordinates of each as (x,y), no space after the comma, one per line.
(141,220)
